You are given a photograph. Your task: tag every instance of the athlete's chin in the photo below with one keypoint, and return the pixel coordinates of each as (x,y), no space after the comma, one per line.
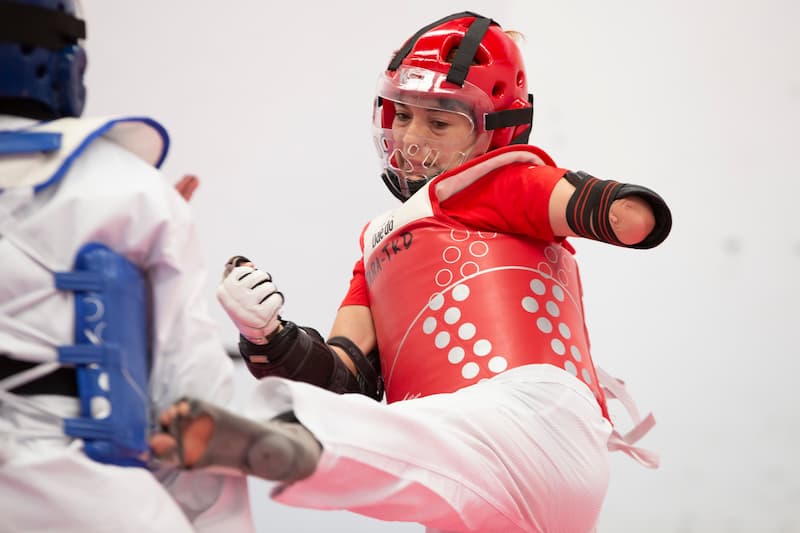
(422,176)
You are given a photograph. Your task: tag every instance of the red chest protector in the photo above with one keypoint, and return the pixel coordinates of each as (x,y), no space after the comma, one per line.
(453,305)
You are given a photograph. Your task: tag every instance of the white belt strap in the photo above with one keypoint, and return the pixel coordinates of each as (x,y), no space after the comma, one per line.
(615,389)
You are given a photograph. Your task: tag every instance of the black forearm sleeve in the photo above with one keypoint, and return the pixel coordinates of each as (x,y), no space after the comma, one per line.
(589,206)
(301,354)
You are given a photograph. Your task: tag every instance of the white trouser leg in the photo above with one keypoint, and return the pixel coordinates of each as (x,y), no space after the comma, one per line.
(525,451)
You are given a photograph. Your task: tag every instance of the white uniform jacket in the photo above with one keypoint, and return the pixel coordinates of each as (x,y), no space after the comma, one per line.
(102,185)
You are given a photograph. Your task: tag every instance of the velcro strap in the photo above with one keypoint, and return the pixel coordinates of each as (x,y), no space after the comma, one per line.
(39,26)
(589,206)
(588,209)
(28,142)
(509,117)
(80,281)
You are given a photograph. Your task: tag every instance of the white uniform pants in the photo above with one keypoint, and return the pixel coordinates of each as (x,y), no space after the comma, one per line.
(524,451)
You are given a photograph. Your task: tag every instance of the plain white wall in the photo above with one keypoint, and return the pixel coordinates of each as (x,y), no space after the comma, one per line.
(269,103)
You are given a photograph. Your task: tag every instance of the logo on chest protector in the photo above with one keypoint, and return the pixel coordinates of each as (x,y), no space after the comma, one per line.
(382,232)
(382,255)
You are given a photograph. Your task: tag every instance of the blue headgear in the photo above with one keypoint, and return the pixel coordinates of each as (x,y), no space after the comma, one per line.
(41,60)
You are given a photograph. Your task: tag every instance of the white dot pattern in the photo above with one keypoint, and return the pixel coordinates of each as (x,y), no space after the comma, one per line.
(549,291)
(530,304)
(470,370)
(464,244)
(558,347)
(452,315)
(498,364)
(455,355)
(466,331)
(537,287)
(558,293)
(544,325)
(560,344)
(576,353)
(442,339)
(460,293)
(482,348)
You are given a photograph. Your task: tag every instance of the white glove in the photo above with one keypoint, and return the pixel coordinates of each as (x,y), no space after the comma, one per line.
(252,301)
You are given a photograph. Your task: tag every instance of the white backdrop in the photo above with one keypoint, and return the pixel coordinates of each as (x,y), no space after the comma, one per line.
(269,103)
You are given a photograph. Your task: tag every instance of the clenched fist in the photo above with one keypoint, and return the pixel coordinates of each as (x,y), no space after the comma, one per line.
(252,301)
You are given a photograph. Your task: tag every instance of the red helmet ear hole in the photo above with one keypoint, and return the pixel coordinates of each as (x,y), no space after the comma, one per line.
(520,79)
(449,48)
(482,56)
(499,89)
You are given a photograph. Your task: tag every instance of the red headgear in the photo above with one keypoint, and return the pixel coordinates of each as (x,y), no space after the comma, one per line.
(468,47)
(463,63)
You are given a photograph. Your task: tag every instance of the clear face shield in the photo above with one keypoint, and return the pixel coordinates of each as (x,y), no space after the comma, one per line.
(424,125)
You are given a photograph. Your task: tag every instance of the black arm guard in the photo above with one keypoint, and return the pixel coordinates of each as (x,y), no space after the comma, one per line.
(588,208)
(301,354)
(368,366)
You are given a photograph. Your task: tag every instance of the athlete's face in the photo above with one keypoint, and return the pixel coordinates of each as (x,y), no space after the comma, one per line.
(430,141)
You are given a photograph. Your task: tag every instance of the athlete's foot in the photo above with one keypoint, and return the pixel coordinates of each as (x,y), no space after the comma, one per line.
(200,434)
(194,434)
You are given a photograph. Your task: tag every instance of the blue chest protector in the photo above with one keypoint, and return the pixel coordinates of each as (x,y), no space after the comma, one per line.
(110,355)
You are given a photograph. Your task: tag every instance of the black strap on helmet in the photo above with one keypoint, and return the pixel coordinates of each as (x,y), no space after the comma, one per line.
(512,117)
(466,51)
(39,26)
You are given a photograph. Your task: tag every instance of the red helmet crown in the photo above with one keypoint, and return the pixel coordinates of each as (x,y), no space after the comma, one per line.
(468,47)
